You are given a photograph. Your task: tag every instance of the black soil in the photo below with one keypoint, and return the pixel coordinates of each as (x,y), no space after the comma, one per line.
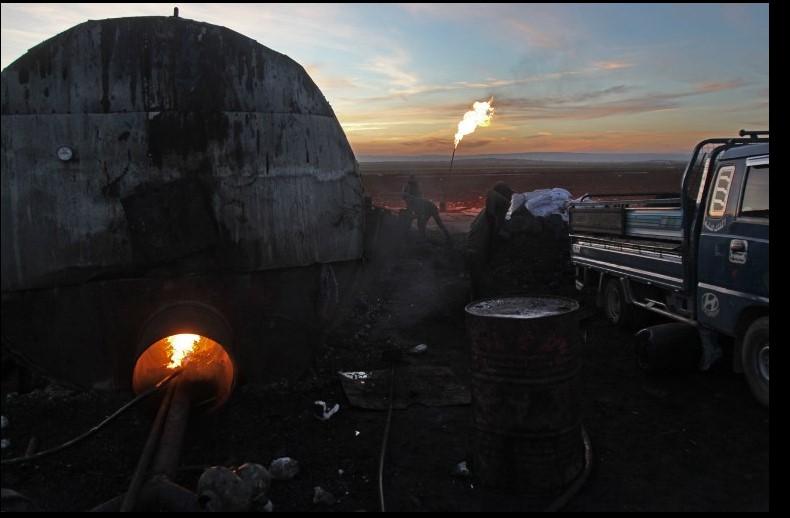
(691,442)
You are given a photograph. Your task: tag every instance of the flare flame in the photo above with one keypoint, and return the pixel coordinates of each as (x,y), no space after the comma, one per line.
(480,115)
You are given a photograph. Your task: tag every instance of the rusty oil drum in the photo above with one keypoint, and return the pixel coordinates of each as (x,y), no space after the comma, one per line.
(525,393)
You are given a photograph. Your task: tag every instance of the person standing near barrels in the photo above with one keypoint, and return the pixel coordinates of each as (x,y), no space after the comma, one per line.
(486,229)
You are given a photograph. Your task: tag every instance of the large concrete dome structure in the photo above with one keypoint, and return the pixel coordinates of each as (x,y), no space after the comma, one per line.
(158,113)
(152,161)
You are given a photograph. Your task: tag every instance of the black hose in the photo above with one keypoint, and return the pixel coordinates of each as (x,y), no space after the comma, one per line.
(569,493)
(96,428)
(384,441)
(130,498)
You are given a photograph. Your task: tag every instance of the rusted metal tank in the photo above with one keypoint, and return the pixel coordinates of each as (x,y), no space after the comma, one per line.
(525,393)
(152,160)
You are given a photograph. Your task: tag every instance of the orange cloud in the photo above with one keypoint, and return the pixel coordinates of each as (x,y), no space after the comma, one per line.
(668,140)
(612,65)
(710,87)
(328,81)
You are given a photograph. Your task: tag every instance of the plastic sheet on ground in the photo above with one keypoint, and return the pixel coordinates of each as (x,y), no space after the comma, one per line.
(419,384)
(326,412)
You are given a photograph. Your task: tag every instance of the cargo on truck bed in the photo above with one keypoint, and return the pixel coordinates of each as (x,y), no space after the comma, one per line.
(656,216)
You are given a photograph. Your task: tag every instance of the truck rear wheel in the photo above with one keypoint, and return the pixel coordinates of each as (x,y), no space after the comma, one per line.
(617,310)
(754,354)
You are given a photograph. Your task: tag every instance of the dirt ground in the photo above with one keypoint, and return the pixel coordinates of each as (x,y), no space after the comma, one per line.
(687,442)
(469,180)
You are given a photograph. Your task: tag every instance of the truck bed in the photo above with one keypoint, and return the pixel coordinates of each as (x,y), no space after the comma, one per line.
(638,238)
(661,223)
(654,218)
(655,262)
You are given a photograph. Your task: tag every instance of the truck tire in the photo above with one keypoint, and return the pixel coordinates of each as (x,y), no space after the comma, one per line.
(754,354)
(616,309)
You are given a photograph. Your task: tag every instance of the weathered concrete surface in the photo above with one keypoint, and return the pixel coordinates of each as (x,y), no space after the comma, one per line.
(152,106)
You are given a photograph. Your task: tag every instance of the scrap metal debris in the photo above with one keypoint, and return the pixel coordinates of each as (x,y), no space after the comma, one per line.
(326,413)
(423,384)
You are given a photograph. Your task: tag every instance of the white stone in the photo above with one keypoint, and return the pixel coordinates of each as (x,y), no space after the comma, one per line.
(418,349)
(221,490)
(321,496)
(461,470)
(284,468)
(257,477)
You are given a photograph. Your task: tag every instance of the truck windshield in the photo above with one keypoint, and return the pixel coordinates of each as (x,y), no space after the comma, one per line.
(755,196)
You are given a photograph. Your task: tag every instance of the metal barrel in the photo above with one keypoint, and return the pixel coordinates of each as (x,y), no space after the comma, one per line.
(525,393)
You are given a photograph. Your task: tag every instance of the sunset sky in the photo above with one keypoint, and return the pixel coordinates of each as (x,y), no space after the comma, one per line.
(582,78)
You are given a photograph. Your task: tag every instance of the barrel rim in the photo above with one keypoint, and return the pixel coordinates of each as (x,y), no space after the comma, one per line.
(469,310)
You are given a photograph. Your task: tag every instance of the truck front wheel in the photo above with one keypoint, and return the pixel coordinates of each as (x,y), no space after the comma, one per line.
(617,310)
(754,354)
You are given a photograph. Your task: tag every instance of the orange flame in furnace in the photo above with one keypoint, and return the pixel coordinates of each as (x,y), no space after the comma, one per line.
(181,346)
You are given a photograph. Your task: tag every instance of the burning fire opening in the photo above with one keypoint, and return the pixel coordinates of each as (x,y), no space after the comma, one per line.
(206,366)
(180,347)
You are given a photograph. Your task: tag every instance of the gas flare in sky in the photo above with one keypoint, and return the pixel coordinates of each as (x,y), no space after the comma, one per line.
(480,115)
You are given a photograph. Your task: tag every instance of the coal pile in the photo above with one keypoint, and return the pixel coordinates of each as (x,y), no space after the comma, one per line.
(533,258)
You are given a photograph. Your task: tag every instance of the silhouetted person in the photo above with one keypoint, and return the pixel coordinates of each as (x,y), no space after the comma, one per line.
(421,209)
(487,227)
(412,187)
(424,210)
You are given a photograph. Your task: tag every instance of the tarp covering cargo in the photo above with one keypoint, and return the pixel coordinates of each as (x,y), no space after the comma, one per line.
(542,202)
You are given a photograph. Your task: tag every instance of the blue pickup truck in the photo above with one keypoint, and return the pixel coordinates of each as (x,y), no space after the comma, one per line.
(699,257)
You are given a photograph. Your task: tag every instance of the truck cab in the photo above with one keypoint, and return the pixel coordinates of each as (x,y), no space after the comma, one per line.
(699,257)
(732,291)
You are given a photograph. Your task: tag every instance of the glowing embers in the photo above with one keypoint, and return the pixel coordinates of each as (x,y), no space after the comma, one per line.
(180,347)
(206,367)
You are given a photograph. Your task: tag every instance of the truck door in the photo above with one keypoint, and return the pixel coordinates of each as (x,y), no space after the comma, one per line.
(733,245)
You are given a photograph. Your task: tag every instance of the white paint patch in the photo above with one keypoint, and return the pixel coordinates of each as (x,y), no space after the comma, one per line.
(710,304)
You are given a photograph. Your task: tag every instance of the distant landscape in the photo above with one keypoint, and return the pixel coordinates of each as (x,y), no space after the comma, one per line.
(465,187)
(543,157)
